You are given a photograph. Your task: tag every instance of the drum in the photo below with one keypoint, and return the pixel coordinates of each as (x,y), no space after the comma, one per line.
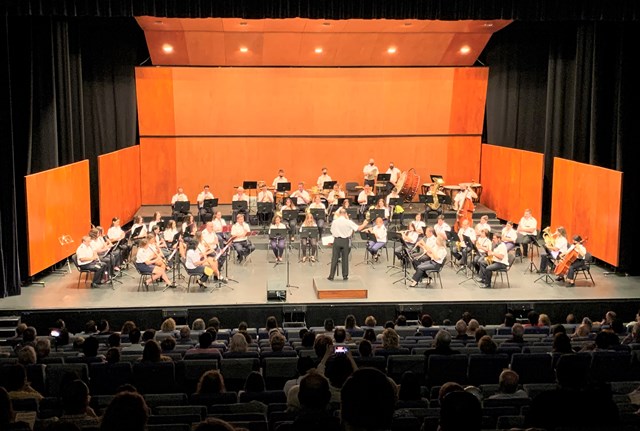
(407,185)
(451,191)
(476,187)
(208,271)
(426,187)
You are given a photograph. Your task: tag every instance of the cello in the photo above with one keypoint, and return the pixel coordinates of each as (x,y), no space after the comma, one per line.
(562,267)
(466,211)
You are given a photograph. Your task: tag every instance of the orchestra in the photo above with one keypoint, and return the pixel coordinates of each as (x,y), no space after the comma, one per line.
(199,244)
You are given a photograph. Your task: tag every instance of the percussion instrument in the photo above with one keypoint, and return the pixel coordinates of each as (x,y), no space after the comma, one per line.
(426,187)
(208,271)
(452,191)
(407,184)
(476,187)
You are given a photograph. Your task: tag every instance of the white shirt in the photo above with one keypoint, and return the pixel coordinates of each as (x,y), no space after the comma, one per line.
(142,233)
(430,241)
(561,244)
(418,225)
(240,197)
(528,223)
(370,172)
(483,242)
(169,234)
(276,226)
(317,206)
(394,174)
(343,228)
(440,254)
(302,197)
(332,196)
(362,197)
(152,224)
(467,232)
(279,179)
(380,232)
(240,230)
(441,229)
(202,196)
(412,237)
(115,233)
(322,179)
(458,201)
(97,245)
(482,226)
(210,238)
(84,252)
(144,254)
(179,197)
(265,196)
(501,249)
(509,235)
(193,256)
(218,223)
(392,196)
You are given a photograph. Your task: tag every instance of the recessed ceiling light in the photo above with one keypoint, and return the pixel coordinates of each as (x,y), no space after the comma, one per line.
(318,50)
(465,50)
(168,49)
(391,50)
(244,49)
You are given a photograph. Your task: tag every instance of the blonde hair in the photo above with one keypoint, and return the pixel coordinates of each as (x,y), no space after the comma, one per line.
(169,325)
(390,339)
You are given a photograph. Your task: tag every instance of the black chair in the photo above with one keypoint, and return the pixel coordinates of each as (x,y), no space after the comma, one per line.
(486,368)
(533,367)
(398,364)
(236,370)
(277,371)
(143,277)
(105,379)
(435,273)
(81,271)
(446,368)
(503,272)
(585,269)
(154,377)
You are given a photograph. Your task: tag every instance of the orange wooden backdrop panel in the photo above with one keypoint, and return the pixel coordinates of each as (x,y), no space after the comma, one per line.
(224,163)
(586,200)
(512,181)
(119,185)
(58,204)
(179,101)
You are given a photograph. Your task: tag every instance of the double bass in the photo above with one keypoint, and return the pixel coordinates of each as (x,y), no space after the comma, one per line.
(562,267)
(466,211)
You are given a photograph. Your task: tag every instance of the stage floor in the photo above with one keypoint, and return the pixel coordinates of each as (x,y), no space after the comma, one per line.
(60,290)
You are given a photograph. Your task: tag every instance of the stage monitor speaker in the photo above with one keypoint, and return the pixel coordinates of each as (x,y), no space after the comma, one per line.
(276,291)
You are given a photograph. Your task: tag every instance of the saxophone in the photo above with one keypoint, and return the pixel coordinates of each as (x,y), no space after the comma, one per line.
(489,259)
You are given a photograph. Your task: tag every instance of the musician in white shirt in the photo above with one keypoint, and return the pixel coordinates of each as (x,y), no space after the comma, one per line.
(323,179)
(428,241)
(155,221)
(279,179)
(500,260)
(160,244)
(318,205)
(148,261)
(442,228)
(370,172)
(509,236)
(101,247)
(395,210)
(309,244)
(219,224)
(138,229)
(363,199)
(334,195)
(527,231)
(559,246)
(418,224)
(395,172)
(265,197)
(114,234)
(87,258)
(483,224)
(437,256)
(410,238)
(465,249)
(196,263)
(468,193)
(341,229)
(483,244)
(301,196)
(239,232)
(579,263)
(204,213)
(239,196)
(380,232)
(180,196)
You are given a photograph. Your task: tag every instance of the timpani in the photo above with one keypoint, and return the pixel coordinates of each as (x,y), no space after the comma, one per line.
(451,191)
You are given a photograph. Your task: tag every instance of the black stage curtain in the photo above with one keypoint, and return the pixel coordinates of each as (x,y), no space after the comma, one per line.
(569,90)
(70,95)
(531,10)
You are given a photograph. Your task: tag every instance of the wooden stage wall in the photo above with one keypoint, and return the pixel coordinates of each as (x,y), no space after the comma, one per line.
(224,125)
(58,205)
(512,181)
(119,185)
(586,200)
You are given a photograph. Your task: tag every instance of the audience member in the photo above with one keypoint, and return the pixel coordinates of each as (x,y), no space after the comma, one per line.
(203,350)
(562,344)
(472,327)
(184,336)
(114,340)
(362,411)
(390,340)
(370,322)
(365,349)
(198,325)
(152,353)
(113,355)
(426,321)
(509,320)
(43,349)
(8,415)
(214,424)
(487,345)
(168,327)
(90,350)
(27,356)
(350,324)
(532,318)
(544,320)
(517,335)
(401,320)
(340,335)
(127,412)
(104,328)
(127,327)
(508,386)
(134,339)
(168,344)
(460,410)
(303,366)
(75,405)
(314,413)
(370,335)
(17,385)
(254,382)
(211,382)
(409,395)
(461,330)
(308,340)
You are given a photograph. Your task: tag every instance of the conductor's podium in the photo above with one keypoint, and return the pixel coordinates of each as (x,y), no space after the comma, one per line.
(353,288)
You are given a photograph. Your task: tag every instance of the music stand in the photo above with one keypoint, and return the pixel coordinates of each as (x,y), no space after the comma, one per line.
(249,185)
(546,277)
(533,243)
(375,213)
(209,204)
(264,208)
(160,225)
(352,212)
(371,200)
(307,232)
(283,187)
(183,207)
(366,237)
(328,185)
(279,233)
(384,178)
(225,252)
(318,213)
(109,254)
(288,214)
(395,237)
(469,265)
(239,206)
(339,202)
(406,261)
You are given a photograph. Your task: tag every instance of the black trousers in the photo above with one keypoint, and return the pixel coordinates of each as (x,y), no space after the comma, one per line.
(340,250)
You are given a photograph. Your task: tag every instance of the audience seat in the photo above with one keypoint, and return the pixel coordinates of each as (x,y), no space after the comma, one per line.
(611,367)
(105,378)
(155,378)
(533,367)
(235,371)
(165,399)
(398,364)
(277,371)
(213,399)
(446,368)
(486,368)
(55,373)
(188,373)
(266,397)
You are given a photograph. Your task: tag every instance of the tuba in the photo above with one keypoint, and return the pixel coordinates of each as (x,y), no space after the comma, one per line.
(549,239)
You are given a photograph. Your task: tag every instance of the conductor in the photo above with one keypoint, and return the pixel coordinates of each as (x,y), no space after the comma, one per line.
(341,229)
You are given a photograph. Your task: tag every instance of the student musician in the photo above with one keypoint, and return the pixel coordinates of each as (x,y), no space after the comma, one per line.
(148,261)
(418,224)
(318,205)
(219,226)
(460,249)
(170,238)
(309,245)
(180,196)
(380,205)
(410,238)
(363,200)
(265,196)
(88,259)
(279,179)
(559,247)
(196,263)
(102,247)
(277,243)
(301,196)
(397,212)
(240,233)
(138,229)
(483,244)
(509,236)
(293,217)
(467,193)
(345,205)
(239,196)
(436,259)
(115,234)
(395,173)
(323,179)
(500,260)
(380,232)
(370,172)
(483,225)
(333,197)
(160,243)
(577,264)
(442,228)
(428,241)
(211,243)
(189,226)
(527,231)
(156,220)
(204,213)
